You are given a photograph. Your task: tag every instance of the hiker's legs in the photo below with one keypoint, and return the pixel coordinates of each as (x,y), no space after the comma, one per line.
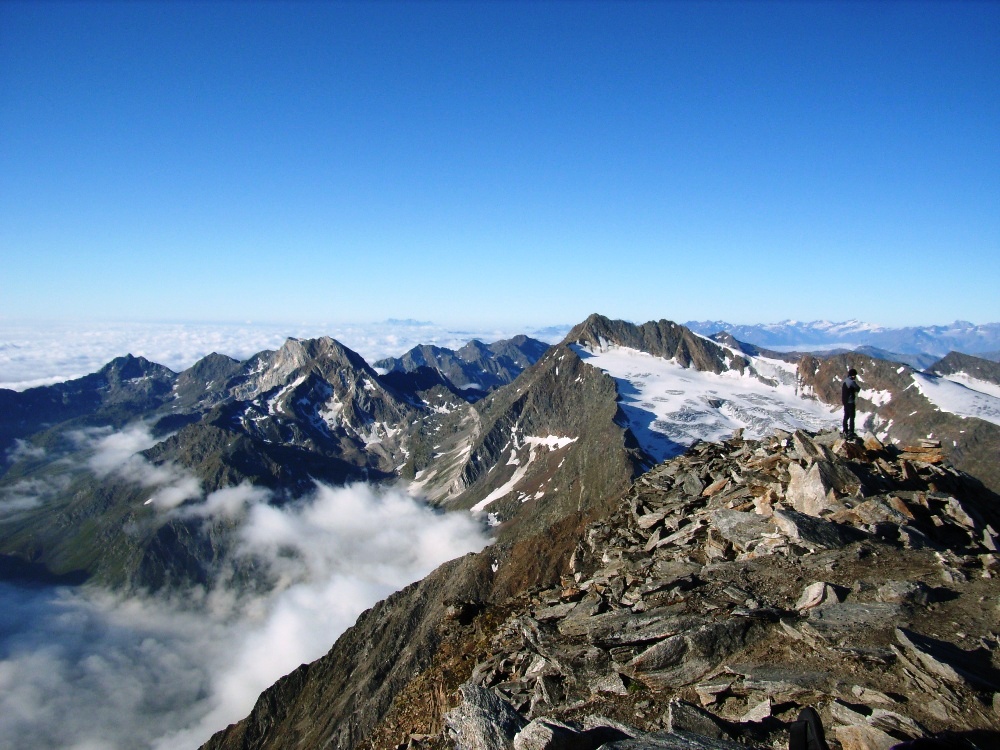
(849,410)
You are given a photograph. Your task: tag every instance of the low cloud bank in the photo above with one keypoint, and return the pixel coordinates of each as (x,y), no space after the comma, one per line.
(42,354)
(86,669)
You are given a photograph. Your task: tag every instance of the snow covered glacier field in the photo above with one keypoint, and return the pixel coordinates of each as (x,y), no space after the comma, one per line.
(669,407)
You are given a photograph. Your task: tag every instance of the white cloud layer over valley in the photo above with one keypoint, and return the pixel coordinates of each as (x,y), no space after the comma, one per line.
(41,354)
(84,668)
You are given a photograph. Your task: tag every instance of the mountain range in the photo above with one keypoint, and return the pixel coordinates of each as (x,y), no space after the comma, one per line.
(927,341)
(108,477)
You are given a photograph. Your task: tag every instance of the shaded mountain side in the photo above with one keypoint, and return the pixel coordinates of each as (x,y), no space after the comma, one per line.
(975,367)
(916,361)
(752,350)
(476,368)
(661,338)
(903,413)
(548,445)
(746,579)
(221,457)
(203,384)
(114,395)
(339,700)
(102,530)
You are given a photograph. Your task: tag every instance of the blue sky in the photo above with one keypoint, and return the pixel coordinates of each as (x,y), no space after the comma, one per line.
(500,163)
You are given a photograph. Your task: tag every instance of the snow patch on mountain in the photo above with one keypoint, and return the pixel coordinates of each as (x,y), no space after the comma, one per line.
(958,399)
(551,442)
(668,407)
(983,386)
(879,398)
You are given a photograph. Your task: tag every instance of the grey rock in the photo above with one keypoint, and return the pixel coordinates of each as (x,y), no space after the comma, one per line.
(741,528)
(809,449)
(816,594)
(863,737)
(820,487)
(483,721)
(904,592)
(841,620)
(687,657)
(686,717)
(815,532)
(623,628)
(674,741)
(947,661)
(547,734)
(692,484)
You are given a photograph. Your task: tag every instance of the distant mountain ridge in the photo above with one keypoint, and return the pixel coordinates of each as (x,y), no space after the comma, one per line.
(937,341)
(476,367)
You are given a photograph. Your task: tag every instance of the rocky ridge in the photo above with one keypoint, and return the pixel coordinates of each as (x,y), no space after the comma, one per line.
(746,580)
(476,368)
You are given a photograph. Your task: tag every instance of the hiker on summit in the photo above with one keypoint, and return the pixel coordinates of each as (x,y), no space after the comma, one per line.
(848,396)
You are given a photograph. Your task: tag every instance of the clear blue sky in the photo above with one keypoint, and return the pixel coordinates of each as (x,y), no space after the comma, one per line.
(500,162)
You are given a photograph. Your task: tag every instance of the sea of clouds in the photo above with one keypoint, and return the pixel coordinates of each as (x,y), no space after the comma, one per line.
(85,668)
(33,354)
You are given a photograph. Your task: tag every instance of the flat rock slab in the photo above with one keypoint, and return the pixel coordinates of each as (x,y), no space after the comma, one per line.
(681,659)
(837,620)
(740,527)
(815,532)
(947,661)
(675,741)
(778,681)
(624,628)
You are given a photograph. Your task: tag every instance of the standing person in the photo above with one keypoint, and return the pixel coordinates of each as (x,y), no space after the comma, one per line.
(848,395)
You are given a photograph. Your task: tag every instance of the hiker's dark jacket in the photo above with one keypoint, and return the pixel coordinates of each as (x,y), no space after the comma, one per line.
(849,391)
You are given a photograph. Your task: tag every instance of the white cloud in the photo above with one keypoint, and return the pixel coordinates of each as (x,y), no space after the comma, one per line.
(118,453)
(85,669)
(33,354)
(22,450)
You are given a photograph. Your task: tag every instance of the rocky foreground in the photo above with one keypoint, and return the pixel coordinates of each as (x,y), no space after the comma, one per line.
(729,588)
(743,581)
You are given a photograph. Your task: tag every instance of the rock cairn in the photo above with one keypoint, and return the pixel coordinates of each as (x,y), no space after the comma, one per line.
(745,580)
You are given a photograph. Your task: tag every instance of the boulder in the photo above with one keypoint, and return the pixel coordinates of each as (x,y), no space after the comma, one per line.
(816,594)
(547,734)
(815,532)
(686,717)
(948,662)
(483,721)
(819,488)
(864,737)
(684,658)
(743,529)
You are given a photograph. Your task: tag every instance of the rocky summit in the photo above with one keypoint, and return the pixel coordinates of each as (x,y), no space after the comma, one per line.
(733,586)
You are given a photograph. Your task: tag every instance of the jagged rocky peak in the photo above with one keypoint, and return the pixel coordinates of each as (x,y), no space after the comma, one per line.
(661,338)
(131,368)
(323,352)
(297,358)
(476,368)
(956,363)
